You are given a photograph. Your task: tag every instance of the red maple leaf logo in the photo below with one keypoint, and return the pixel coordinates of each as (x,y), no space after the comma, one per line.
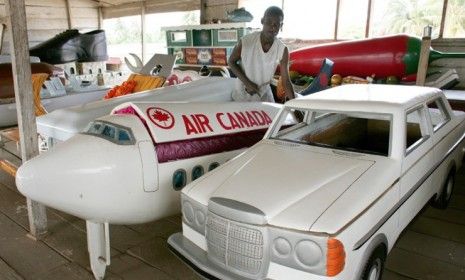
(160,116)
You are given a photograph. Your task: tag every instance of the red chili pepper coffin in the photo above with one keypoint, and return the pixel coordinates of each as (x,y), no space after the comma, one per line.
(395,55)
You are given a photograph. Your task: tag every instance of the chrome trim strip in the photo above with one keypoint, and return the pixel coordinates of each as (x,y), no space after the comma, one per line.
(388,215)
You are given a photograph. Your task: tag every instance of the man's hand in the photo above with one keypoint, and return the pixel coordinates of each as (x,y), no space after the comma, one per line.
(251,88)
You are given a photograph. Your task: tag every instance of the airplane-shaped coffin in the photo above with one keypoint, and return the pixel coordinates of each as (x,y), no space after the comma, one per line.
(128,167)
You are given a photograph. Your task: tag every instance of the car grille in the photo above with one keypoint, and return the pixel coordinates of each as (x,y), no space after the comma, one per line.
(235,245)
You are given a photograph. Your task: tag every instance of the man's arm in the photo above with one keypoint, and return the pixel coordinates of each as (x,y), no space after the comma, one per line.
(284,71)
(234,58)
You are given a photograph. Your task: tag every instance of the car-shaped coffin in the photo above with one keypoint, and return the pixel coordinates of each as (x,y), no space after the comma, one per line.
(328,197)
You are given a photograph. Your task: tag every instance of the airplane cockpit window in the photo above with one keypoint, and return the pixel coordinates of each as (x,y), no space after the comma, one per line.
(123,135)
(115,133)
(109,131)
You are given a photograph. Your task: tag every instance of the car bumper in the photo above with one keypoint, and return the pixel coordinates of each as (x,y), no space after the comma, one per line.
(197,259)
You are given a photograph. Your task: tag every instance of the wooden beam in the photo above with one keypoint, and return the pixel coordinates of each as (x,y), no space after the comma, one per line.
(336,24)
(443,19)
(424,57)
(100,18)
(367,26)
(142,31)
(69,15)
(203,11)
(16,13)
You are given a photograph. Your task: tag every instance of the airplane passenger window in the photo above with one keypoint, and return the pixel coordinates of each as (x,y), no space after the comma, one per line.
(197,171)
(213,165)
(179,179)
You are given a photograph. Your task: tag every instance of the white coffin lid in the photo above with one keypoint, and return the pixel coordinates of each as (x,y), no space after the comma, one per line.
(62,124)
(176,121)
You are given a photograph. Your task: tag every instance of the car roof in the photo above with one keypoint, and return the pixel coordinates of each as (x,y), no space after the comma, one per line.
(366,98)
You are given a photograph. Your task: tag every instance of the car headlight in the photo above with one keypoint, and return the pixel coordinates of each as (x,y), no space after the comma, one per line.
(316,254)
(194,214)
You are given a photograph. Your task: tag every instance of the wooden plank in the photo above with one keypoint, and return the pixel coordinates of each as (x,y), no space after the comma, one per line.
(156,253)
(129,267)
(391,275)
(46,3)
(68,271)
(8,273)
(132,9)
(436,248)
(24,103)
(70,243)
(8,167)
(438,228)
(13,205)
(457,201)
(45,12)
(51,25)
(123,238)
(450,215)
(162,228)
(84,12)
(25,255)
(416,266)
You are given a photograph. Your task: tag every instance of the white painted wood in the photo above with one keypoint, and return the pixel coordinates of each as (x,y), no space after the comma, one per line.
(24,102)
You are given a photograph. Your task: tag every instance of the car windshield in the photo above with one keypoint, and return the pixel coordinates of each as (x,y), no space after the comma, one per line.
(115,133)
(350,131)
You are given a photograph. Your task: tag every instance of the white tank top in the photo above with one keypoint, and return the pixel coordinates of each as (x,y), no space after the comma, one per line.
(258,66)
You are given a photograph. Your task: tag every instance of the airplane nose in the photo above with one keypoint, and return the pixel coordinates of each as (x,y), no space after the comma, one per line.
(25,179)
(86,176)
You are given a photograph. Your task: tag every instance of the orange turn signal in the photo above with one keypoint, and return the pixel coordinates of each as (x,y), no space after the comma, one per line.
(335,257)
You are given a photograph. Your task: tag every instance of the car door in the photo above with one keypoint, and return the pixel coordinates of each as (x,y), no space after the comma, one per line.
(418,159)
(443,140)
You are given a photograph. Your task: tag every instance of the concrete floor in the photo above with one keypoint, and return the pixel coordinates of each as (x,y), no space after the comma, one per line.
(432,247)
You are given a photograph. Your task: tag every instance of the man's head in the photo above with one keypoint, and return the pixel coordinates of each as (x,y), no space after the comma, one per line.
(272,22)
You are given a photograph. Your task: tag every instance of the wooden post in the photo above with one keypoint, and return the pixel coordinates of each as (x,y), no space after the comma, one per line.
(443,18)
(367,24)
(336,23)
(203,11)
(142,31)
(424,56)
(16,12)
(69,15)
(100,18)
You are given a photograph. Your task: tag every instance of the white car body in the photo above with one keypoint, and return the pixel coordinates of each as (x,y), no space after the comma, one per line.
(317,200)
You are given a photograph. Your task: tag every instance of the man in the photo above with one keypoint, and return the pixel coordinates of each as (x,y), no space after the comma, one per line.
(259,54)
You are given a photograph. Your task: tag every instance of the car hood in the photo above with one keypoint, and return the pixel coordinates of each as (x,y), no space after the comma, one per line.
(279,178)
